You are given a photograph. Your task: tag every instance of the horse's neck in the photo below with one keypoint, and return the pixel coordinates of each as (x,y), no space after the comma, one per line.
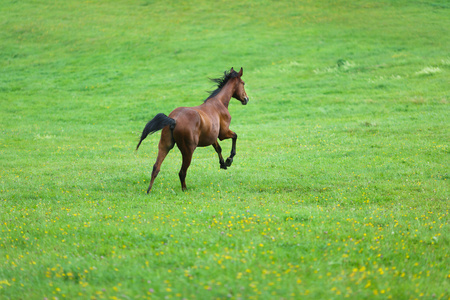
(225,94)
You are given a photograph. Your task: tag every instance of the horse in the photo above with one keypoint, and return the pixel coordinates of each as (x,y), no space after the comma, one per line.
(198,126)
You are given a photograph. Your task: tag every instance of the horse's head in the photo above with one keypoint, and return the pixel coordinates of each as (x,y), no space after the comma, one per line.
(239,91)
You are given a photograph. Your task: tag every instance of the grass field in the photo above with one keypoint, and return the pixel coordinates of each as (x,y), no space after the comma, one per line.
(340,185)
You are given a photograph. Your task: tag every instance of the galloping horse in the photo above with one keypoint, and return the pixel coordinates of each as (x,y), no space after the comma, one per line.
(199,126)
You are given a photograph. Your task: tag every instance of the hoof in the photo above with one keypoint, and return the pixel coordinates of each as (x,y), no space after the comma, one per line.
(228,161)
(223,166)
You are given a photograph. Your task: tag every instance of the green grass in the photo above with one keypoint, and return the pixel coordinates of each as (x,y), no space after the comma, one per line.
(340,183)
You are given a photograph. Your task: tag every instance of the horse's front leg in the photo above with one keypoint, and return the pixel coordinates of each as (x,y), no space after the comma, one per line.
(219,152)
(233,136)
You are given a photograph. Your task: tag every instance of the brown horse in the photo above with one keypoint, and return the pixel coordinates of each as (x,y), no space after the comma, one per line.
(199,126)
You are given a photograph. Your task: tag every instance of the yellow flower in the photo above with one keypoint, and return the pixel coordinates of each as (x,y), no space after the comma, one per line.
(4,282)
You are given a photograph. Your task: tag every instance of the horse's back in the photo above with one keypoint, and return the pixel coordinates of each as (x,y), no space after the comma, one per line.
(185,115)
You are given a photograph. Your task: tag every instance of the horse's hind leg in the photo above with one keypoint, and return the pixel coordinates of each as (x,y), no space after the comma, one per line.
(219,152)
(165,145)
(186,152)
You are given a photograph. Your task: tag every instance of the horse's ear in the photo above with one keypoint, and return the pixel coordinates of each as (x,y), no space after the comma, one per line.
(241,72)
(232,70)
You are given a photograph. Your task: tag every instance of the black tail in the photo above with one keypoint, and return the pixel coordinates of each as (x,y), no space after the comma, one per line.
(157,123)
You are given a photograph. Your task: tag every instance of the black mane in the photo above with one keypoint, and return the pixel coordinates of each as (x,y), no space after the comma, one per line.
(221,82)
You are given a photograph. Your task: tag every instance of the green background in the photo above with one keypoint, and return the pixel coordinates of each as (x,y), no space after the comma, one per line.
(340,183)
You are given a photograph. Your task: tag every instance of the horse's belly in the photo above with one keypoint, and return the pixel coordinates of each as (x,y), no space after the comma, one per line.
(208,137)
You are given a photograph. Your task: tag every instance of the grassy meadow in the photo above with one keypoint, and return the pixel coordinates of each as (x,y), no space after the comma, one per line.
(340,185)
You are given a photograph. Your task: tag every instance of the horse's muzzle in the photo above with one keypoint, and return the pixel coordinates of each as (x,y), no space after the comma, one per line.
(245,101)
